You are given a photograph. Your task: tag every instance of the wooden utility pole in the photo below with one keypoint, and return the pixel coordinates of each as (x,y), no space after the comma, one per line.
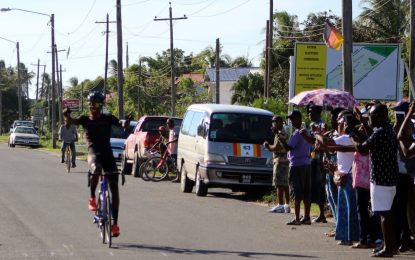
(172,76)
(217,71)
(120,76)
(269,50)
(43,92)
(412,50)
(19,84)
(106,52)
(126,56)
(37,79)
(266,60)
(138,89)
(347,46)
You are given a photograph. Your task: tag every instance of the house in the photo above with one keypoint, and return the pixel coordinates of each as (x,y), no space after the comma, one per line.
(228,77)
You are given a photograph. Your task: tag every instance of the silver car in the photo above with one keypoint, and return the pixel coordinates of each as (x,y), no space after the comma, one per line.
(24,135)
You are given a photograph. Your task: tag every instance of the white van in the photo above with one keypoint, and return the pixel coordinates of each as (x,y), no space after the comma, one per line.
(221,146)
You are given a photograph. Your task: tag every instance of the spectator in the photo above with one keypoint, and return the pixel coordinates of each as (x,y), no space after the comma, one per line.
(172,143)
(347,220)
(318,178)
(405,180)
(280,166)
(382,146)
(299,173)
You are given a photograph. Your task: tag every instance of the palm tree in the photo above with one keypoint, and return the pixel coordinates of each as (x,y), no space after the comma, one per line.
(247,89)
(241,62)
(388,21)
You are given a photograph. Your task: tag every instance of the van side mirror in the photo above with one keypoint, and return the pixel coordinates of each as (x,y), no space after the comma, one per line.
(201,131)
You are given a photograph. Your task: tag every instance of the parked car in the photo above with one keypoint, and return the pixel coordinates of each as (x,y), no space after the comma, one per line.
(23,135)
(22,123)
(143,137)
(118,136)
(221,146)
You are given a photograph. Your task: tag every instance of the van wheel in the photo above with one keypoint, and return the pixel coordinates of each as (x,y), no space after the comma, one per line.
(201,188)
(125,167)
(136,165)
(186,185)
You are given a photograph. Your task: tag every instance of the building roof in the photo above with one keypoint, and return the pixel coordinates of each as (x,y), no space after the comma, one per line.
(196,77)
(229,74)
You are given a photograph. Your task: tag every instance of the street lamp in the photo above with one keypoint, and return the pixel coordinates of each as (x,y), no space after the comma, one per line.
(19,87)
(52,27)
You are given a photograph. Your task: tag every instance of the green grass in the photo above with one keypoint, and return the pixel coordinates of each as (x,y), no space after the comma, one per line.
(47,145)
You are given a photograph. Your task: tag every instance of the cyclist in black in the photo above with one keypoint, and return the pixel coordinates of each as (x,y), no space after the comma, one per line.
(98,128)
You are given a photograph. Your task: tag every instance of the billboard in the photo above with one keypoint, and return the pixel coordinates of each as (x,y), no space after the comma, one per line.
(73,104)
(376,69)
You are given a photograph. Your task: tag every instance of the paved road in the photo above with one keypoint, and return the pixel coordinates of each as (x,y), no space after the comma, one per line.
(44,216)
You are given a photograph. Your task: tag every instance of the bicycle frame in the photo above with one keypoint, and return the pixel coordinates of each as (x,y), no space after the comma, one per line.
(68,156)
(103,215)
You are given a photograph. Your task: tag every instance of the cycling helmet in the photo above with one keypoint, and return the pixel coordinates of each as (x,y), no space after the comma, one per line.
(96,96)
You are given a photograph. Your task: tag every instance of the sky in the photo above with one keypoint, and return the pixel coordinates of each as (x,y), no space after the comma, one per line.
(239,24)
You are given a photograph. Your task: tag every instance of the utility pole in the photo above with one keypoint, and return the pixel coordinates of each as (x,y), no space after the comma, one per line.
(43,81)
(266,60)
(217,70)
(119,58)
(82,97)
(138,89)
(58,80)
(173,85)
(347,46)
(37,79)
(269,50)
(106,51)
(412,51)
(19,85)
(52,24)
(126,56)
(60,86)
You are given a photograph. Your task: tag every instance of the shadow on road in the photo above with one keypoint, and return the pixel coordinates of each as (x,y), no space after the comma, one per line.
(188,251)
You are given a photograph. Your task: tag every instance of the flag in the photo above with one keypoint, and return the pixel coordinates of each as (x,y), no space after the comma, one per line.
(331,36)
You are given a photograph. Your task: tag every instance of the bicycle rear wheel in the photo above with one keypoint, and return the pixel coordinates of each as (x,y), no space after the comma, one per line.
(156,169)
(142,175)
(68,159)
(108,219)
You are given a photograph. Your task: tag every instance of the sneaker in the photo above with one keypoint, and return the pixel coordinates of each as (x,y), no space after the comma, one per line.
(305,221)
(287,208)
(277,209)
(92,204)
(73,165)
(115,230)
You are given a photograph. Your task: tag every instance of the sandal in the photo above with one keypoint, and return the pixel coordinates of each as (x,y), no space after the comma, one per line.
(320,219)
(382,254)
(294,222)
(345,243)
(360,246)
(305,221)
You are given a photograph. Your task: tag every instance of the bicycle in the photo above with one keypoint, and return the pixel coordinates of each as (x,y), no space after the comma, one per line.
(68,157)
(160,168)
(103,214)
(151,152)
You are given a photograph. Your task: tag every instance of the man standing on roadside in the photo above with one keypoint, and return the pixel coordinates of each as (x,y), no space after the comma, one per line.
(280,166)
(299,176)
(382,146)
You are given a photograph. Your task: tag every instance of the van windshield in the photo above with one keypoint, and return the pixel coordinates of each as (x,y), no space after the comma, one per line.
(240,128)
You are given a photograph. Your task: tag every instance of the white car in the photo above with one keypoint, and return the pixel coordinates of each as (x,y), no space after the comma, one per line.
(24,135)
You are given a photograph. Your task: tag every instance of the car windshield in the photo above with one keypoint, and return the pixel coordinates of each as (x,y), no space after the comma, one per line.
(154,123)
(119,132)
(240,128)
(25,130)
(24,123)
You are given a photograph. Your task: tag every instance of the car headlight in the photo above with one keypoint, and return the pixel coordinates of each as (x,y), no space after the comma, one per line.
(214,158)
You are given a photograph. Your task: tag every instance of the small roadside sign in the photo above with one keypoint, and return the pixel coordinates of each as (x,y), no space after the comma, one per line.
(73,104)
(38,113)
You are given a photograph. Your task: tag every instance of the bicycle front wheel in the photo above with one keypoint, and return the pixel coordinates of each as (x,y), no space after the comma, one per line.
(156,169)
(99,214)
(108,218)
(68,159)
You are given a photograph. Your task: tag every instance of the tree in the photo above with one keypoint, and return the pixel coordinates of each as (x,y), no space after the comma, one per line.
(247,89)
(241,62)
(207,59)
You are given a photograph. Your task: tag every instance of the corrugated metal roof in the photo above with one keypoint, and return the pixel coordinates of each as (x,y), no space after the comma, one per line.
(229,74)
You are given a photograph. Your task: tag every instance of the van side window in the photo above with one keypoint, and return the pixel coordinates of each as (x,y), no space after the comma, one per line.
(187,121)
(197,119)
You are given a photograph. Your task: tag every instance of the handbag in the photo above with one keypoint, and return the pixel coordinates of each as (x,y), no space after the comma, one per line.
(340,178)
